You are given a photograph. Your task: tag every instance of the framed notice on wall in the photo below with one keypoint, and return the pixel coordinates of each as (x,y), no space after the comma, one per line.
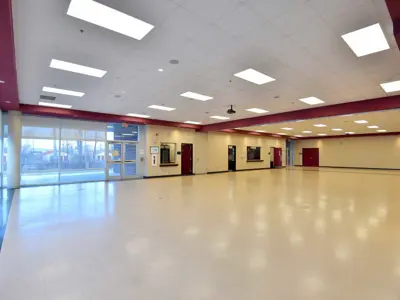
(154,149)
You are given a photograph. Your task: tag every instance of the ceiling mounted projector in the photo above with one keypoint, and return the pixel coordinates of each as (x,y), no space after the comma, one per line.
(231,111)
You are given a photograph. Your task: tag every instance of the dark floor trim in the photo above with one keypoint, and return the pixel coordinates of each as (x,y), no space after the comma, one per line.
(217,172)
(6,198)
(162,176)
(357,168)
(255,169)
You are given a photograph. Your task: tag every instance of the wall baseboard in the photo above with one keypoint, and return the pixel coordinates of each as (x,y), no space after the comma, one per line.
(217,172)
(255,169)
(358,168)
(162,176)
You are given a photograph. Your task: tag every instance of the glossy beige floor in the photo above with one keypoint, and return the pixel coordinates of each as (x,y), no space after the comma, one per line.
(273,234)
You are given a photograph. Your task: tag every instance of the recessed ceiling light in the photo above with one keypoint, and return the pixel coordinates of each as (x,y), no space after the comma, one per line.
(367,40)
(160,70)
(350,132)
(196,96)
(75,68)
(219,118)
(138,115)
(62,92)
(381,130)
(322,134)
(254,76)
(257,110)
(261,131)
(320,125)
(107,17)
(287,128)
(307,131)
(373,127)
(361,122)
(298,135)
(298,121)
(8,101)
(54,105)
(281,133)
(390,87)
(193,122)
(337,129)
(166,108)
(312,100)
(2,81)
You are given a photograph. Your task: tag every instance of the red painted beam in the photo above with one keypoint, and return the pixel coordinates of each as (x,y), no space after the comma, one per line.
(372,105)
(348,136)
(100,117)
(8,71)
(394,10)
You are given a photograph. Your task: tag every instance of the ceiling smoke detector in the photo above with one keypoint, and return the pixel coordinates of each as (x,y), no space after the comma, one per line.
(231,111)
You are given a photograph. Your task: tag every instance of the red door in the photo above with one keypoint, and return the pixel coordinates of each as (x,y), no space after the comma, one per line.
(311,157)
(277,157)
(186,159)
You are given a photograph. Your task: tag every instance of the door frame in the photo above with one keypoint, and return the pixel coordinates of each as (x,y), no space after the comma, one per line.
(122,161)
(234,147)
(191,159)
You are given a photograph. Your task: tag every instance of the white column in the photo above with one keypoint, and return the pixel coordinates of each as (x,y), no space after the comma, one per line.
(14,149)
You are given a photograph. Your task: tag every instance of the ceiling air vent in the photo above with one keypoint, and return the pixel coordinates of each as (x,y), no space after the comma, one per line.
(48,98)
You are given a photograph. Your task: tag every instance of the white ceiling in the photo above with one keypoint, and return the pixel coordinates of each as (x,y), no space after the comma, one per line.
(297,42)
(388,120)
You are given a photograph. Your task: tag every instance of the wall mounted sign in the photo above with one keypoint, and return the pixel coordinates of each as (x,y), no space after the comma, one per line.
(154,160)
(154,150)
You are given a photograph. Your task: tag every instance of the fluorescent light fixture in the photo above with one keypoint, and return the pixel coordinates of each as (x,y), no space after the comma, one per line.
(287,128)
(298,121)
(322,134)
(196,96)
(193,122)
(312,100)
(261,131)
(367,40)
(75,68)
(162,107)
(54,105)
(373,127)
(160,70)
(381,130)
(257,110)
(298,135)
(254,76)
(307,131)
(219,118)
(107,17)
(62,92)
(2,81)
(390,87)
(350,132)
(320,125)
(281,133)
(361,122)
(337,129)
(138,115)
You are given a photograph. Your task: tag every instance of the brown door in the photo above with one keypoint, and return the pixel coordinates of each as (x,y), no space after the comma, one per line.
(311,157)
(277,157)
(187,159)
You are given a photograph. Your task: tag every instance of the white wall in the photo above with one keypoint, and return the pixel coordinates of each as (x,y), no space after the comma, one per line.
(210,150)
(358,152)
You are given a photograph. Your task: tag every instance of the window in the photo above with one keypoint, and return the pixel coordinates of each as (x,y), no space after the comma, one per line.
(253,153)
(167,153)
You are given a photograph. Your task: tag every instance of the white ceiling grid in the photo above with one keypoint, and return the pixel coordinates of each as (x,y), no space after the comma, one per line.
(297,42)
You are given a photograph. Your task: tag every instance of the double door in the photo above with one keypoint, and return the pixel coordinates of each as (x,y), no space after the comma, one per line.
(121,160)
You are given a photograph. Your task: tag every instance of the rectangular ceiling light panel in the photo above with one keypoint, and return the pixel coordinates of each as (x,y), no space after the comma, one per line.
(312,100)
(62,92)
(367,40)
(320,125)
(166,108)
(337,129)
(373,127)
(75,68)
(361,122)
(261,131)
(138,115)
(196,96)
(254,76)
(107,17)
(54,105)
(219,118)
(193,122)
(390,87)
(257,110)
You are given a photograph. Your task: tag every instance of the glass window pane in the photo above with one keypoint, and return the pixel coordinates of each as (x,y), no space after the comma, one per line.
(130,169)
(114,152)
(122,132)
(39,161)
(114,170)
(130,151)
